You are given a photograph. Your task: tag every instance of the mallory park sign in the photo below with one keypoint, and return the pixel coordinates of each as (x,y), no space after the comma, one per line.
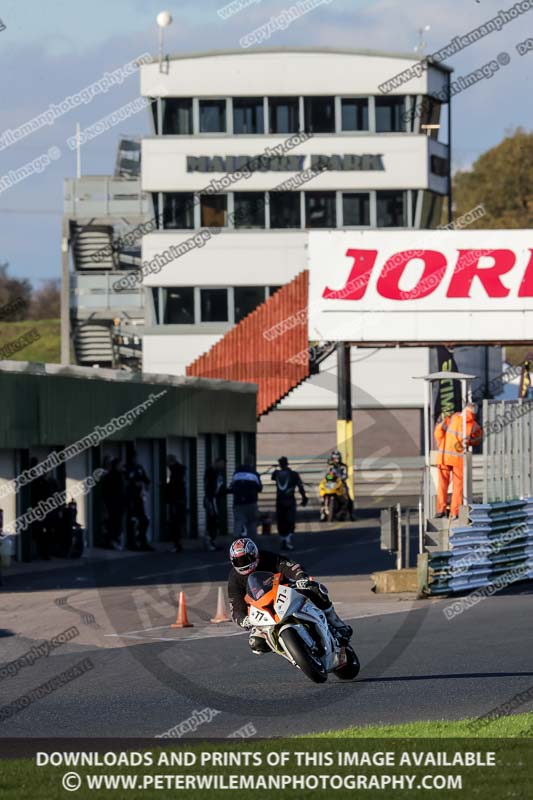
(338,163)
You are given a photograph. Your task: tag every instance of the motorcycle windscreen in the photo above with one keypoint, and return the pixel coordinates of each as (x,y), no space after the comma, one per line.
(259,583)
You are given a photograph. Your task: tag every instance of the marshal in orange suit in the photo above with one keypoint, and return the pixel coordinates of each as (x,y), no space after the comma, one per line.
(450,458)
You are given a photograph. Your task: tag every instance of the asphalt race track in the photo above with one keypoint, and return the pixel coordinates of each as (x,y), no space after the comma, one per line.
(145,677)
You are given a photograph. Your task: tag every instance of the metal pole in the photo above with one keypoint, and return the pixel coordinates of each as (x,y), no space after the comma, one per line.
(427,458)
(344,411)
(78,150)
(463,454)
(399,556)
(450,197)
(420,526)
(408,538)
(161,49)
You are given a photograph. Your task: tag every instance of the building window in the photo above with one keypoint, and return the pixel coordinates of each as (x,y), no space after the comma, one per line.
(214,210)
(212,116)
(285,210)
(178,303)
(391,210)
(390,114)
(177,116)
(284,113)
(439,166)
(354,114)
(320,210)
(214,305)
(355,209)
(248,116)
(249,210)
(247,298)
(178,210)
(272,290)
(319,114)
(155,298)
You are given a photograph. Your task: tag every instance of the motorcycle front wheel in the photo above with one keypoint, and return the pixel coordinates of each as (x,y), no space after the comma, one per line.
(350,670)
(310,665)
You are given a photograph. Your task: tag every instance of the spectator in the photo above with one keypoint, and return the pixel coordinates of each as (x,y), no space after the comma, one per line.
(287,481)
(138,522)
(214,490)
(54,519)
(245,487)
(114,500)
(176,499)
(39,491)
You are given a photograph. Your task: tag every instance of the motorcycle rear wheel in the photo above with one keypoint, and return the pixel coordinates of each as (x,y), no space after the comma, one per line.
(310,665)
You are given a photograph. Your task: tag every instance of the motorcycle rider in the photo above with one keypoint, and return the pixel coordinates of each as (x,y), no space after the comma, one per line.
(246,558)
(336,463)
(287,481)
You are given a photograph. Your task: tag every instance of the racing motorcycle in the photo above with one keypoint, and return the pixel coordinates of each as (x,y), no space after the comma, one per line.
(334,503)
(296,629)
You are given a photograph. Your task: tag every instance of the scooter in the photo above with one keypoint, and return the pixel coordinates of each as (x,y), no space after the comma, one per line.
(297,630)
(334,504)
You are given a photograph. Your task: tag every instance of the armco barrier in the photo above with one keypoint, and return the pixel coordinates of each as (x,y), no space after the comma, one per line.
(499,541)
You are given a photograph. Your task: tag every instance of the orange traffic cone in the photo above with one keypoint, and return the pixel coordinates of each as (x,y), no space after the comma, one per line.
(221,615)
(181,618)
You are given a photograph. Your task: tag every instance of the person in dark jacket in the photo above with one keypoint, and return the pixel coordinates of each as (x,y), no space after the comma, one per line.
(136,482)
(176,498)
(114,500)
(214,490)
(245,487)
(40,492)
(246,558)
(287,481)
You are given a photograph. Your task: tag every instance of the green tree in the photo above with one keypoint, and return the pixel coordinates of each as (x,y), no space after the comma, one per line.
(502,181)
(14,293)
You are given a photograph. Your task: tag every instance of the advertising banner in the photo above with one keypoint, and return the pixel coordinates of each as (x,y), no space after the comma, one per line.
(415,287)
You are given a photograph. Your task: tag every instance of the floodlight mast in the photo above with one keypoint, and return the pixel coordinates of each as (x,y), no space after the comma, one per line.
(163,19)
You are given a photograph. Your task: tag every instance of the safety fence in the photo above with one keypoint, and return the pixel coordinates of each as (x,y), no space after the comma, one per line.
(507,450)
(495,550)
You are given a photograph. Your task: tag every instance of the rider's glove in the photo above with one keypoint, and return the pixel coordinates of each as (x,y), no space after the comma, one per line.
(305,500)
(303,583)
(245,623)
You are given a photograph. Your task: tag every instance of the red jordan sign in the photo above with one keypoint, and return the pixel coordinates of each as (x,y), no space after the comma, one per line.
(421,286)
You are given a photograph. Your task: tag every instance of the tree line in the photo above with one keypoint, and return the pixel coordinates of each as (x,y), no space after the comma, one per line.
(19,300)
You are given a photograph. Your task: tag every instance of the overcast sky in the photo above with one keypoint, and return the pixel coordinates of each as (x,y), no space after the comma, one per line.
(54,49)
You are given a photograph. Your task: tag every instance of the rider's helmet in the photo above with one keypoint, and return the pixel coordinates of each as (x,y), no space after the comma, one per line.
(244,556)
(283,462)
(336,457)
